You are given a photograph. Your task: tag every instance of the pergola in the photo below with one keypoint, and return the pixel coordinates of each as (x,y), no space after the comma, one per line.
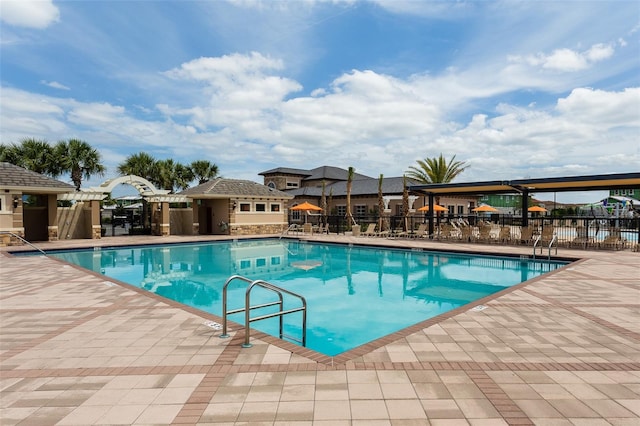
(526,187)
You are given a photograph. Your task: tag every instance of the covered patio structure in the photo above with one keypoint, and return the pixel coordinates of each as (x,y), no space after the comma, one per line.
(526,187)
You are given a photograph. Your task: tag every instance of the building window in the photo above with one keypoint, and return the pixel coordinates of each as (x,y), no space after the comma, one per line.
(271,185)
(260,262)
(452,210)
(361,210)
(275,207)
(245,207)
(245,264)
(460,210)
(275,261)
(261,207)
(341,210)
(291,184)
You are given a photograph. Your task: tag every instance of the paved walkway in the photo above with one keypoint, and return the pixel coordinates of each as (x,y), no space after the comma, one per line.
(76,349)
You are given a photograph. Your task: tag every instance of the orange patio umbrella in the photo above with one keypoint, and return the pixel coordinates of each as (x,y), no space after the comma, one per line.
(436,208)
(306,206)
(485,208)
(537,209)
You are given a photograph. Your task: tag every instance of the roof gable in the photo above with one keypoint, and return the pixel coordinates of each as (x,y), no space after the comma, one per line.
(225,188)
(319,173)
(19,178)
(333,173)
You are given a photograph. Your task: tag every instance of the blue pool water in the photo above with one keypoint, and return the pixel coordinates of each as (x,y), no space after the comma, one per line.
(354,294)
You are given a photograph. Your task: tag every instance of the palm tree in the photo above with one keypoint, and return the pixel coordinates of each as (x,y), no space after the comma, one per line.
(140,164)
(79,158)
(436,170)
(204,171)
(31,154)
(171,175)
(349,215)
(184,176)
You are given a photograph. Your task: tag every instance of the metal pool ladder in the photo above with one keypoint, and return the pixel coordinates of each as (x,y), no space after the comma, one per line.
(551,244)
(248,308)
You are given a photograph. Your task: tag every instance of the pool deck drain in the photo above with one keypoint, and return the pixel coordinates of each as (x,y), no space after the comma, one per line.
(561,349)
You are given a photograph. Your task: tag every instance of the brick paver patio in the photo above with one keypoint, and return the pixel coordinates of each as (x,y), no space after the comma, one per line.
(563,349)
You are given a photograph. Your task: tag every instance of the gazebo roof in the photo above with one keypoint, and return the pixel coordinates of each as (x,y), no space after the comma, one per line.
(17,178)
(227,188)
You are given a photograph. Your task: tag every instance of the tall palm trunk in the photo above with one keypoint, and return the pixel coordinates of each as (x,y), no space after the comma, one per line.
(349,215)
(323,203)
(380,205)
(405,203)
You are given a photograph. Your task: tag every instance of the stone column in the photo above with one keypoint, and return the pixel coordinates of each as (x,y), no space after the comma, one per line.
(155,218)
(165,221)
(18,214)
(195,206)
(94,222)
(52,217)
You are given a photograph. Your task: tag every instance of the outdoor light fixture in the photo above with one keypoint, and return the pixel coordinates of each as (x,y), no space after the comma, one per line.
(234,205)
(16,201)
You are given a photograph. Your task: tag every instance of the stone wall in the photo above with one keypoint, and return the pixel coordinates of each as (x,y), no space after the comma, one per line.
(257,229)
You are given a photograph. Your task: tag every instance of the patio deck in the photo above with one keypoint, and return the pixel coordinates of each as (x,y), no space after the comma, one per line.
(77,349)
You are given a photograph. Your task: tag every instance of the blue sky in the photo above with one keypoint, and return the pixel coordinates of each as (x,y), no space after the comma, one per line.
(515,89)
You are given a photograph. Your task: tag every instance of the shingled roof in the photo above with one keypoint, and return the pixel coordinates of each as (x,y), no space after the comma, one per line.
(390,186)
(226,188)
(319,173)
(16,178)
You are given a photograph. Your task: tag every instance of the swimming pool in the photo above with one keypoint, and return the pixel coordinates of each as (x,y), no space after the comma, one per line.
(354,294)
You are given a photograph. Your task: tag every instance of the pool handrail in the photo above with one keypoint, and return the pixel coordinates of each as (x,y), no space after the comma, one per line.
(224,302)
(280,313)
(553,240)
(535,244)
(23,240)
(247,309)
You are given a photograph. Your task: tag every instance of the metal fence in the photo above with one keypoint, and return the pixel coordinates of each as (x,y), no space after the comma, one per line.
(570,231)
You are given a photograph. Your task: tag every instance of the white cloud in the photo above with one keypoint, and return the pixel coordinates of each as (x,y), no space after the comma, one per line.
(240,112)
(54,84)
(37,14)
(237,89)
(567,60)
(602,108)
(438,9)
(94,114)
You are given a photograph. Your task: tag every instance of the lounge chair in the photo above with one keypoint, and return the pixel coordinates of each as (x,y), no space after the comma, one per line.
(613,241)
(504,236)
(307,228)
(526,235)
(484,234)
(421,232)
(323,229)
(466,234)
(445,231)
(370,231)
(547,235)
(583,240)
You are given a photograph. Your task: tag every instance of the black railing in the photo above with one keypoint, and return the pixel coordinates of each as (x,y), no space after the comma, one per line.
(570,231)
